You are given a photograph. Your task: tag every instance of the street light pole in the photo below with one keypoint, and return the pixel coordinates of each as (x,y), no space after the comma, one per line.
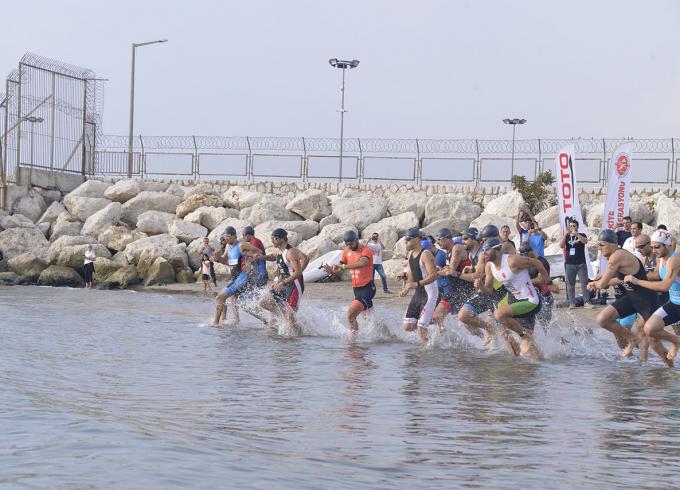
(342,64)
(514,122)
(132,100)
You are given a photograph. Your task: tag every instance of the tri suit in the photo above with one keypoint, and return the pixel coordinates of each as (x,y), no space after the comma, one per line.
(291,293)
(424,301)
(362,277)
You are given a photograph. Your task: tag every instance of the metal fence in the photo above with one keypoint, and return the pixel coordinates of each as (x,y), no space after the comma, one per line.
(49,118)
(419,161)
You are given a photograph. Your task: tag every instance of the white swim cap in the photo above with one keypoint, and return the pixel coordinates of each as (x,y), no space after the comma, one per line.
(662,236)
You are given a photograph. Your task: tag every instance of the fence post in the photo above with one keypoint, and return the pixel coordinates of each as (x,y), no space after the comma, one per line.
(84,152)
(305,163)
(142,158)
(194,163)
(52,120)
(419,165)
(674,167)
(17,171)
(604,168)
(478,165)
(540,157)
(249,162)
(360,163)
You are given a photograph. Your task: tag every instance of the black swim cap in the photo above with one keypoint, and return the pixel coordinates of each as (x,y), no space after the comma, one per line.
(492,243)
(608,236)
(413,233)
(280,233)
(488,231)
(471,232)
(230,230)
(249,230)
(444,233)
(349,236)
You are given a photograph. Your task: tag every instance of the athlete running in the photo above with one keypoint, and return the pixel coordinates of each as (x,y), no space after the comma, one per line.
(451,259)
(635,299)
(358,259)
(421,276)
(518,309)
(668,268)
(546,289)
(257,277)
(235,257)
(286,292)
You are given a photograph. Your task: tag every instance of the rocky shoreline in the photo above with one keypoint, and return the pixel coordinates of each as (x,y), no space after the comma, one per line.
(150,232)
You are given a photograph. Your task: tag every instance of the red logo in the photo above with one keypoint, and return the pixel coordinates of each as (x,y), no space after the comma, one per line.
(622,165)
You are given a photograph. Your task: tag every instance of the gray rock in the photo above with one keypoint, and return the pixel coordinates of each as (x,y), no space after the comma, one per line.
(388,235)
(459,210)
(548,217)
(44,229)
(195,201)
(335,232)
(148,201)
(123,190)
(49,195)
(9,279)
(186,231)
(185,276)
(56,275)
(405,202)
(160,272)
(15,192)
(268,209)
(83,207)
(360,211)
(210,216)
(154,222)
(155,186)
(401,222)
(27,265)
(264,231)
(15,221)
(123,278)
(90,188)
(312,204)
(118,237)
(164,245)
(177,190)
(328,220)
(102,219)
(16,241)
(505,205)
(65,225)
(52,213)
(70,252)
(317,246)
(104,267)
(31,205)
(239,198)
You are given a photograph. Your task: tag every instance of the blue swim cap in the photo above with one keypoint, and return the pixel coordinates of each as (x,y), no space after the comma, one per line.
(426,244)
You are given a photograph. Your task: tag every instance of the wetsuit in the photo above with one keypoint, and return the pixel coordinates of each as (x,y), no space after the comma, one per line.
(239,273)
(635,299)
(290,294)
(362,277)
(522,296)
(670,311)
(424,301)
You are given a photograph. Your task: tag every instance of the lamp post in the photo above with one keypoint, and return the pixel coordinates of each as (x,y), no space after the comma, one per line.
(342,64)
(132,100)
(514,123)
(33,120)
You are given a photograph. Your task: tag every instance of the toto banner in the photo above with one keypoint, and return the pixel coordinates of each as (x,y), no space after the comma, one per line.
(618,187)
(567,195)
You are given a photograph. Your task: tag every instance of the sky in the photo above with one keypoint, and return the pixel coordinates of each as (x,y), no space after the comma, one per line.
(429,69)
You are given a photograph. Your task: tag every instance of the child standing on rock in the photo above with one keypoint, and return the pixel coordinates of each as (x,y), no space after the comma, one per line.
(205,274)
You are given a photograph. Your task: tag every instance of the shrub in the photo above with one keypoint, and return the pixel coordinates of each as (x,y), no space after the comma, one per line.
(539,194)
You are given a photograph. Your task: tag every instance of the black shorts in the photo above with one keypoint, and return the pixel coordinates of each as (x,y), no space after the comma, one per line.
(669,313)
(632,302)
(365,295)
(205,277)
(451,300)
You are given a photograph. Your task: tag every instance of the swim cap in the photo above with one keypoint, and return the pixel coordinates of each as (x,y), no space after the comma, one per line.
(444,233)
(492,243)
(280,233)
(488,231)
(471,232)
(413,233)
(249,230)
(230,230)
(662,236)
(608,236)
(349,236)
(427,244)
(458,240)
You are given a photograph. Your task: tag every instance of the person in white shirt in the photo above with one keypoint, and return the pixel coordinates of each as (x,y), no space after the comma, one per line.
(89,265)
(635,230)
(377,247)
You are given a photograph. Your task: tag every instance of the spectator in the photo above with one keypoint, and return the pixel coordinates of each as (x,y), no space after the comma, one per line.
(206,267)
(624,234)
(376,246)
(209,251)
(635,231)
(505,235)
(89,265)
(574,245)
(530,232)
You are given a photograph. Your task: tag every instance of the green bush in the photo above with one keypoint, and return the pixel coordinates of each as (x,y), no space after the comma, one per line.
(539,194)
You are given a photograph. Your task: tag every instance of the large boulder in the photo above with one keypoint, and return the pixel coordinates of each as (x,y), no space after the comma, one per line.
(56,275)
(640,211)
(186,231)
(195,201)
(44,229)
(210,216)
(31,205)
(594,214)
(406,202)
(118,237)
(84,207)
(155,186)
(164,245)
(104,267)
(90,188)
(65,225)
(16,241)
(434,227)
(177,190)
(317,246)
(204,189)
(548,217)
(8,278)
(399,250)
(336,232)
(52,213)
(149,201)
(27,265)
(185,276)
(154,222)
(297,231)
(123,190)
(553,232)
(492,219)
(394,268)
(102,219)
(160,272)
(123,278)
(218,231)
(312,204)
(48,195)
(667,213)
(460,210)
(505,204)
(269,208)
(239,197)
(402,222)
(328,220)
(388,235)
(360,211)
(69,251)
(15,221)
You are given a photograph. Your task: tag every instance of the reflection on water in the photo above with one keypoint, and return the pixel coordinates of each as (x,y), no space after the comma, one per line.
(121,389)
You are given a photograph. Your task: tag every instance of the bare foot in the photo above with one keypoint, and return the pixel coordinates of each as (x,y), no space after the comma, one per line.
(423,335)
(628,350)
(510,341)
(529,349)
(668,362)
(672,352)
